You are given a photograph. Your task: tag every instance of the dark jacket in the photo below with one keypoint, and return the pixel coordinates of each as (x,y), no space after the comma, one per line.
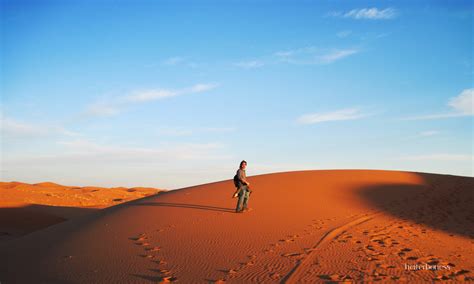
(241,177)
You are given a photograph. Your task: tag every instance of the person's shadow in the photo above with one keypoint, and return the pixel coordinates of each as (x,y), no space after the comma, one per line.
(186,205)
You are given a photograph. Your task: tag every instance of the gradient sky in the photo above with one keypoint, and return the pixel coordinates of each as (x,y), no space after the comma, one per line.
(176,93)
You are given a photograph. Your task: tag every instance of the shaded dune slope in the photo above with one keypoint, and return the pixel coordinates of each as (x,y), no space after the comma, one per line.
(25,207)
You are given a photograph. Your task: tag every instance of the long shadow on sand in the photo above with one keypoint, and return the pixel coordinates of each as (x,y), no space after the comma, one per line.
(444,204)
(186,205)
(19,221)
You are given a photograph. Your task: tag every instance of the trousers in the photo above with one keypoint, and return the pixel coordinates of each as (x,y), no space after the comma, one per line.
(244,194)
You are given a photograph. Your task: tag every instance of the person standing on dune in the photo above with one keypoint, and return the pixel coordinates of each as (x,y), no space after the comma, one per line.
(243,190)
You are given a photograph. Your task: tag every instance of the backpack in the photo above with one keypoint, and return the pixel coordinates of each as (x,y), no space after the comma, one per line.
(236,181)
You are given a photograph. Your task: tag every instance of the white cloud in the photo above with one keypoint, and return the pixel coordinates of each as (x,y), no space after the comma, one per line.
(250,64)
(218,129)
(336,55)
(438,157)
(187,132)
(309,55)
(87,151)
(200,88)
(173,60)
(428,133)
(464,103)
(367,13)
(285,53)
(14,129)
(150,95)
(156,94)
(166,165)
(434,116)
(343,114)
(343,34)
(102,109)
(179,60)
(115,105)
(313,55)
(461,105)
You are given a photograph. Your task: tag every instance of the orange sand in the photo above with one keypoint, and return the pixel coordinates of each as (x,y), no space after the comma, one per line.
(305,227)
(29,207)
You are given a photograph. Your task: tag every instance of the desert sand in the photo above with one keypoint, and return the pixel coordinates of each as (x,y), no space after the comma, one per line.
(304,227)
(25,208)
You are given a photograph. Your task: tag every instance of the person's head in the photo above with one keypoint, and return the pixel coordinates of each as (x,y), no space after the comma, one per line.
(243,164)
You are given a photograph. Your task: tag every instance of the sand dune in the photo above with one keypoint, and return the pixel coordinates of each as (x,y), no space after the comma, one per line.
(305,227)
(25,208)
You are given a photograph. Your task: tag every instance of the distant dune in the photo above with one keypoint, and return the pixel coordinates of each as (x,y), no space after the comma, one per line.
(29,207)
(305,227)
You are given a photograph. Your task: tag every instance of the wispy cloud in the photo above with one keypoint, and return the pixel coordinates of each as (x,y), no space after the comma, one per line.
(428,133)
(90,152)
(179,60)
(438,157)
(150,95)
(308,55)
(336,55)
(192,131)
(464,103)
(252,64)
(367,13)
(461,105)
(313,55)
(157,94)
(343,114)
(13,129)
(343,34)
(102,108)
(113,106)
(173,60)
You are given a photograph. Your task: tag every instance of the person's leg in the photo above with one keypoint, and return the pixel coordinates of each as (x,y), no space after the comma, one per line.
(246,198)
(239,202)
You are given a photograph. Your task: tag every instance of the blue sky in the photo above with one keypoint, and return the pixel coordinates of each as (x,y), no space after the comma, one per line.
(171,94)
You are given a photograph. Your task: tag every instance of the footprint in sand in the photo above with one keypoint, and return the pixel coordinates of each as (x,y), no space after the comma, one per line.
(369,247)
(275,276)
(168,279)
(153,249)
(290,254)
(433,261)
(164,271)
(160,262)
(333,277)
(308,250)
(218,281)
(231,271)
(139,238)
(248,263)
